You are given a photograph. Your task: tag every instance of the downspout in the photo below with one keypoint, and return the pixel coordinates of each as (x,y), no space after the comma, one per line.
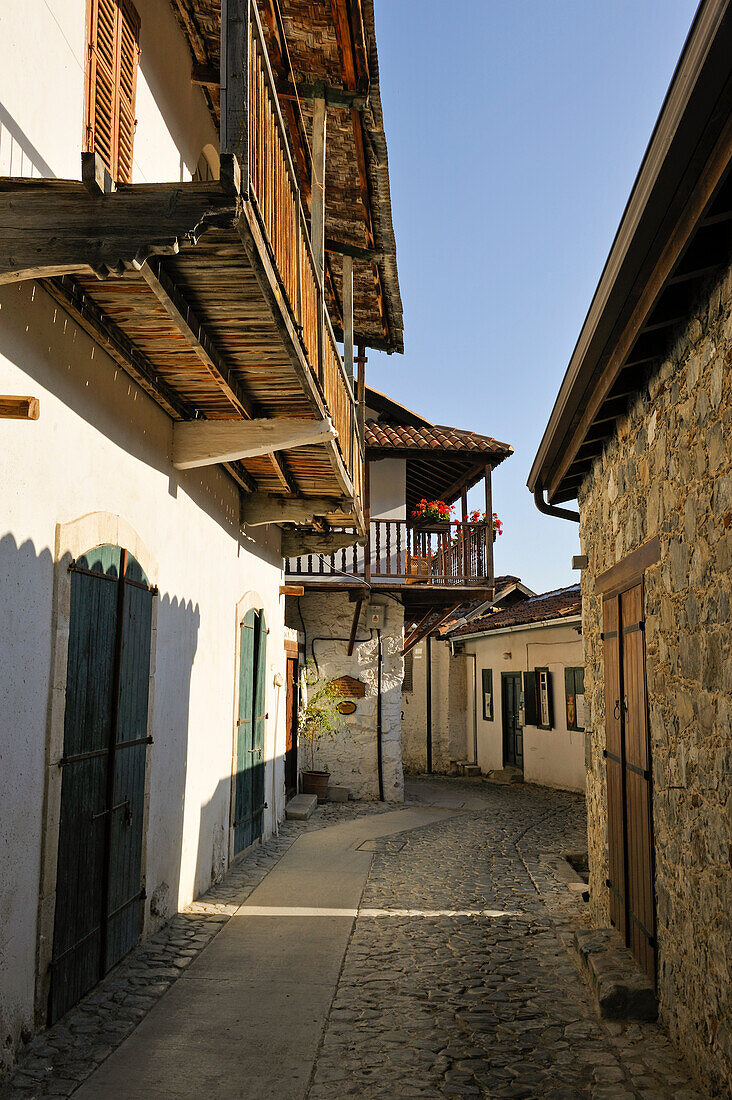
(379,756)
(552,509)
(475,707)
(429,704)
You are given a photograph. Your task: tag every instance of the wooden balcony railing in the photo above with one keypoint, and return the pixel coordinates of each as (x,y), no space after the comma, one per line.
(398,553)
(275,195)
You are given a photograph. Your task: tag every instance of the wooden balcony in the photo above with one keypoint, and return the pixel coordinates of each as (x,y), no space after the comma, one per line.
(400,557)
(209,294)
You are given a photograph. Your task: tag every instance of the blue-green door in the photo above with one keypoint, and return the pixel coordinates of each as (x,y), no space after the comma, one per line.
(249,802)
(98,886)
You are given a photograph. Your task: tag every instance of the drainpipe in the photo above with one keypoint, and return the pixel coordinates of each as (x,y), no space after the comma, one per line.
(429,704)
(552,509)
(475,706)
(379,756)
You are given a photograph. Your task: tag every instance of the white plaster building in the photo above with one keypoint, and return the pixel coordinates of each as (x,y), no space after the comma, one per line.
(526,697)
(144,673)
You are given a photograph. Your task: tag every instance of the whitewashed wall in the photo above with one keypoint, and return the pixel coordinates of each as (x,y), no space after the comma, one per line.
(101,445)
(552,758)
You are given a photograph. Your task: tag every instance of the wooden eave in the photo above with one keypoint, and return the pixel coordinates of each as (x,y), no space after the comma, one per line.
(435,474)
(174,281)
(675,235)
(331,45)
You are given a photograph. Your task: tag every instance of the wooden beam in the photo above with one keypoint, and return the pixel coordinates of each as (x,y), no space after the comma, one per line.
(298,544)
(630,569)
(416,629)
(205,75)
(292,590)
(19,408)
(354,626)
(234,82)
(340,248)
(206,442)
(56,227)
(95,175)
(262,508)
(489,519)
(348,317)
(334,97)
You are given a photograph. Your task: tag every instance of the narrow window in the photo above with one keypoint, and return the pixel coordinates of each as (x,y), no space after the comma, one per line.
(408,681)
(574,691)
(487,679)
(544,698)
(113,30)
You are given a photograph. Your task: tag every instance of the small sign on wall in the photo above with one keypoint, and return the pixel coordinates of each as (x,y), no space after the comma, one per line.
(346,706)
(349,687)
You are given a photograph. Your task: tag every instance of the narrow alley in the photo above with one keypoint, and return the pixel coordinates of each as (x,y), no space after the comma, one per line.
(372,952)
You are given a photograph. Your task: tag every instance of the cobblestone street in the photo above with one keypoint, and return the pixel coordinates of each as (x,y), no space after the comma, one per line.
(456,980)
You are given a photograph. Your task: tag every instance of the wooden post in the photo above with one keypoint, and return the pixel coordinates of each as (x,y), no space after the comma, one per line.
(317,215)
(367,521)
(234,82)
(489,528)
(348,316)
(19,408)
(465,533)
(361,360)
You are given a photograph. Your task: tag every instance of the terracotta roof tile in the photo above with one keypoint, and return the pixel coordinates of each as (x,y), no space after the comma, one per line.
(559,604)
(438,437)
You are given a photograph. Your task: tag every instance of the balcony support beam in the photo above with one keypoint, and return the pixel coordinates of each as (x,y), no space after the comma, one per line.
(317,217)
(298,544)
(206,442)
(260,509)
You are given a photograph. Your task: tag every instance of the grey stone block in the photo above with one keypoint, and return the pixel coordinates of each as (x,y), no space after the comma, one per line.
(622,990)
(338,794)
(301,807)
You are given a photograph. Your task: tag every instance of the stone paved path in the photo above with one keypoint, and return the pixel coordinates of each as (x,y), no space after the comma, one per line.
(433,1006)
(428,1004)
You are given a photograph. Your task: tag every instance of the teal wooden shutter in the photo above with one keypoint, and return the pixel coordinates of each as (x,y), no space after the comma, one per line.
(245,733)
(531,705)
(260,723)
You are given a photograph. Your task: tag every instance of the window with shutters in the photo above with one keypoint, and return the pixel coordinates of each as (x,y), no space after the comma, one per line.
(113,30)
(487,685)
(574,693)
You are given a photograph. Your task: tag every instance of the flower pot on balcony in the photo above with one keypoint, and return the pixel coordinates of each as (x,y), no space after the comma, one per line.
(433,526)
(316,783)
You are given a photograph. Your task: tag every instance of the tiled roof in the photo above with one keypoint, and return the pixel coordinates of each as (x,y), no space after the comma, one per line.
(437,437)
(562,603)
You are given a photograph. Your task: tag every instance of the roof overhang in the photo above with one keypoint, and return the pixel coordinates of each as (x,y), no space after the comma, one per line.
(673,236)
(566,620)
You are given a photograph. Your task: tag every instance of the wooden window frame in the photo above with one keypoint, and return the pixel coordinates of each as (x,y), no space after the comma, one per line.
(131,17)
(486,676)
(541,725)
(574,669)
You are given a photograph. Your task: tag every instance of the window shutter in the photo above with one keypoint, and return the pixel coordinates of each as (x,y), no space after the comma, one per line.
(550,699)
(114,28)
(408,681)
(531,703)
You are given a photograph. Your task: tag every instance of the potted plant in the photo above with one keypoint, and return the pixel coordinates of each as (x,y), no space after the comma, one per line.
(317,720)
(480,517)
(433,515)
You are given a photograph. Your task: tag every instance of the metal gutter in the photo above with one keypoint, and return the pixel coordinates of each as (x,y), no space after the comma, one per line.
(514,629)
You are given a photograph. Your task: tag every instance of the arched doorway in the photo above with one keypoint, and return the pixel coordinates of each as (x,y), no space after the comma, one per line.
(98,913)
(249,801)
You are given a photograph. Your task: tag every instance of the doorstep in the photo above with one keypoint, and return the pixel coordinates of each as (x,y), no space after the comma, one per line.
(301,807)
(622,990)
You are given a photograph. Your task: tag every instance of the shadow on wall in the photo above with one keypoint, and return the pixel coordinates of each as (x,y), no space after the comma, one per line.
(18,154)
(178,623)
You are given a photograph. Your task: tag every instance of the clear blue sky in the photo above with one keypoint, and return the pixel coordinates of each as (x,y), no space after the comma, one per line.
(515,131)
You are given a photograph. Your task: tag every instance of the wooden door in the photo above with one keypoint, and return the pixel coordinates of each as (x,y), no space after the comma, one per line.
(630,828)
(249,778)
(98,911)
(291,734)
(513,738)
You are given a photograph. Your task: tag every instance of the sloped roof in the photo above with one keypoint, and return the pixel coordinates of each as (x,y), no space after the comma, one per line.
(562,603)
(438,437)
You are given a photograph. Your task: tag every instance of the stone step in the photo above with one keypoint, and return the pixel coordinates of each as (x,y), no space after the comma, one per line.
(301,807)
(470,771)
(622,990)
(338,794)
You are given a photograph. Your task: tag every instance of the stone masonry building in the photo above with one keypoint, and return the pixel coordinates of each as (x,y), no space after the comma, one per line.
(641,436)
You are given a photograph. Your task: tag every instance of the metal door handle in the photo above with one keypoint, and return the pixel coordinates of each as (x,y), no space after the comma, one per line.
(616,710)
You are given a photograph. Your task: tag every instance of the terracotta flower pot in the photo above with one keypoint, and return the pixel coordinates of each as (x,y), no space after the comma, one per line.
(316,783)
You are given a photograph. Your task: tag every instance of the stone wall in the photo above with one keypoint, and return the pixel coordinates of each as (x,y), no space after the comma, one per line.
(351,757)
(668,471)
